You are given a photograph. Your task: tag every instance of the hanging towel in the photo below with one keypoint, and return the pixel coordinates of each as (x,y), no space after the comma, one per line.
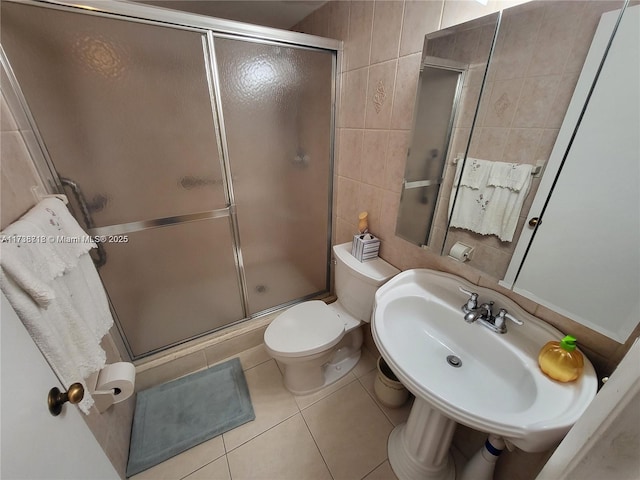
(52,284)
(510,175)
(489,209)
(475,174)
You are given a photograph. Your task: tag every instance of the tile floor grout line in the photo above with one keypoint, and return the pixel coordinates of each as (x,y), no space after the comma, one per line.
(317,446)
(375,401)
(259,434)
(328,395)
(375,468)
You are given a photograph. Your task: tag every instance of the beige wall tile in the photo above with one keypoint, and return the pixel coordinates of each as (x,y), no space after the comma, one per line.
(547,141)
(339,20)
(370,200)
(469,103)
(555,38)
(502,103)
(536,100)
(405,92)
(320,21)
(522,145)
(396,159)
(353,98)
(488,143)
(558,108)
(347,207)
(419,18)
(388,215)
(586,29)
(516,42)
(358,45)
(380,88)
(374,156)
(345,231)
(387,24)
(17,177)
(351,151)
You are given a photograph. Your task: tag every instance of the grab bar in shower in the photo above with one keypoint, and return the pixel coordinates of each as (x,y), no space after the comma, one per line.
(86,215)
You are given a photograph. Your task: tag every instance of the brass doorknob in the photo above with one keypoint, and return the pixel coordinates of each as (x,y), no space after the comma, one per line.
(57,398)
(534,221)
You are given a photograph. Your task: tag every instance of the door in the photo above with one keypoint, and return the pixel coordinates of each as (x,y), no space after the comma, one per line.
(583,260)
(35,444)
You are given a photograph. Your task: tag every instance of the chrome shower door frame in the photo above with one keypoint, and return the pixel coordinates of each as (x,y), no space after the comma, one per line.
(209,28)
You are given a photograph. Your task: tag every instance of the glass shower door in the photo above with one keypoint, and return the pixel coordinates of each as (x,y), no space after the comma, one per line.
(277,111)
(126,113)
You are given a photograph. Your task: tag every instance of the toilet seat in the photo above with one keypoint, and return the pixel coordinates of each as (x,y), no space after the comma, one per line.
(304,329)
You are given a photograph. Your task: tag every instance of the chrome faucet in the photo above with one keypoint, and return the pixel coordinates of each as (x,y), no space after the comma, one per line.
(483,314)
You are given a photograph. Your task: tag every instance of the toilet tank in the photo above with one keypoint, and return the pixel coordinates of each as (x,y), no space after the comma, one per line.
(357,282)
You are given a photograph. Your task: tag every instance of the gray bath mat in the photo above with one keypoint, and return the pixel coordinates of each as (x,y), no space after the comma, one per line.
(178,415)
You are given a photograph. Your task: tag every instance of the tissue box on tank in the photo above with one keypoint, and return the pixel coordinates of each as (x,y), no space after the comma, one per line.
(365,247)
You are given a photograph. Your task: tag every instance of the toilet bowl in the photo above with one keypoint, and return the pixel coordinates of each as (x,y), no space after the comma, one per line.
(317,344)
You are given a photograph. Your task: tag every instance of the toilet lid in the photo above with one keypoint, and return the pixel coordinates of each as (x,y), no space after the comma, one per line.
(304,329)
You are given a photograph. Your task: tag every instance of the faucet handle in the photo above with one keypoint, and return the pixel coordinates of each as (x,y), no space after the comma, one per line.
(472,303)
(502,316)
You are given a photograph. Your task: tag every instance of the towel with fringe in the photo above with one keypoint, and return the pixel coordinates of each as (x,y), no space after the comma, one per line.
(493,205)
(51,282)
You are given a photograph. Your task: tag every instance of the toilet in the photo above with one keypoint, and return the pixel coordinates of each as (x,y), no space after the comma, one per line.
(317,344)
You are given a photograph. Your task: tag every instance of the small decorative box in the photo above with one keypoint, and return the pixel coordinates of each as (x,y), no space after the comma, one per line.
(365,246)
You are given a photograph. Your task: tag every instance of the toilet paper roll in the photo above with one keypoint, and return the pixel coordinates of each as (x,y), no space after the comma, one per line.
(460,252)
(117,378)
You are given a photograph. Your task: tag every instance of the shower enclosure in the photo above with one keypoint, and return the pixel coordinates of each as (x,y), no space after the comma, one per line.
(197,152)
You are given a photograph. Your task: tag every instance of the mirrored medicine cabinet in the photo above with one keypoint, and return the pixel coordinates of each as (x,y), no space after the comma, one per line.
(535,84)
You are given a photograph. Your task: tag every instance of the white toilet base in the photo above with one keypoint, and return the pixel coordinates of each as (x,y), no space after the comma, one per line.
(332,371)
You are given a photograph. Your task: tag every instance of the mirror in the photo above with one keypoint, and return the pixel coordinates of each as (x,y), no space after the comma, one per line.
(513,113)
(453,65)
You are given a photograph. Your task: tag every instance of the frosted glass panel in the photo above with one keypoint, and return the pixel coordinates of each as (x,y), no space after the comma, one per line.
(277,111)
(124,110)
(169,284)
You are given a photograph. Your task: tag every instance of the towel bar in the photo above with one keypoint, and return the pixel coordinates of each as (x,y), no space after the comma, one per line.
(39,194)
(536,171)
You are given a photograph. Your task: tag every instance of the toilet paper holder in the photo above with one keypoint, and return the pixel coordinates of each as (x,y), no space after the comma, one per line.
(113,384)
(461,252)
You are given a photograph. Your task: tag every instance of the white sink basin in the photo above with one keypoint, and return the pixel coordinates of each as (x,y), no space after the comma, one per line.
(498,388)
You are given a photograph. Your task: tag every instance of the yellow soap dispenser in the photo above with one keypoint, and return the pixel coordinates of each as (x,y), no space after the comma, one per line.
(561,361)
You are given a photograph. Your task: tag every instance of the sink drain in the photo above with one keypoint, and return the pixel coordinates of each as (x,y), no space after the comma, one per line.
(454,361)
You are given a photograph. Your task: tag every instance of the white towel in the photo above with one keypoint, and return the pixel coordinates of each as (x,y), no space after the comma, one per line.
(488,210)
(55,290)
(475,174)
(513,176)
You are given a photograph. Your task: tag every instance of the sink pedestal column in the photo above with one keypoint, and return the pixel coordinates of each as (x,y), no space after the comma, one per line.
(419,449)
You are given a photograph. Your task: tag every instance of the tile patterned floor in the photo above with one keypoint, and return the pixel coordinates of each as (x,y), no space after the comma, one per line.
(338,433)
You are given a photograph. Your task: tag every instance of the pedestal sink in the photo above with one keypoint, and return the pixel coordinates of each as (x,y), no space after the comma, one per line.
(465,373)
